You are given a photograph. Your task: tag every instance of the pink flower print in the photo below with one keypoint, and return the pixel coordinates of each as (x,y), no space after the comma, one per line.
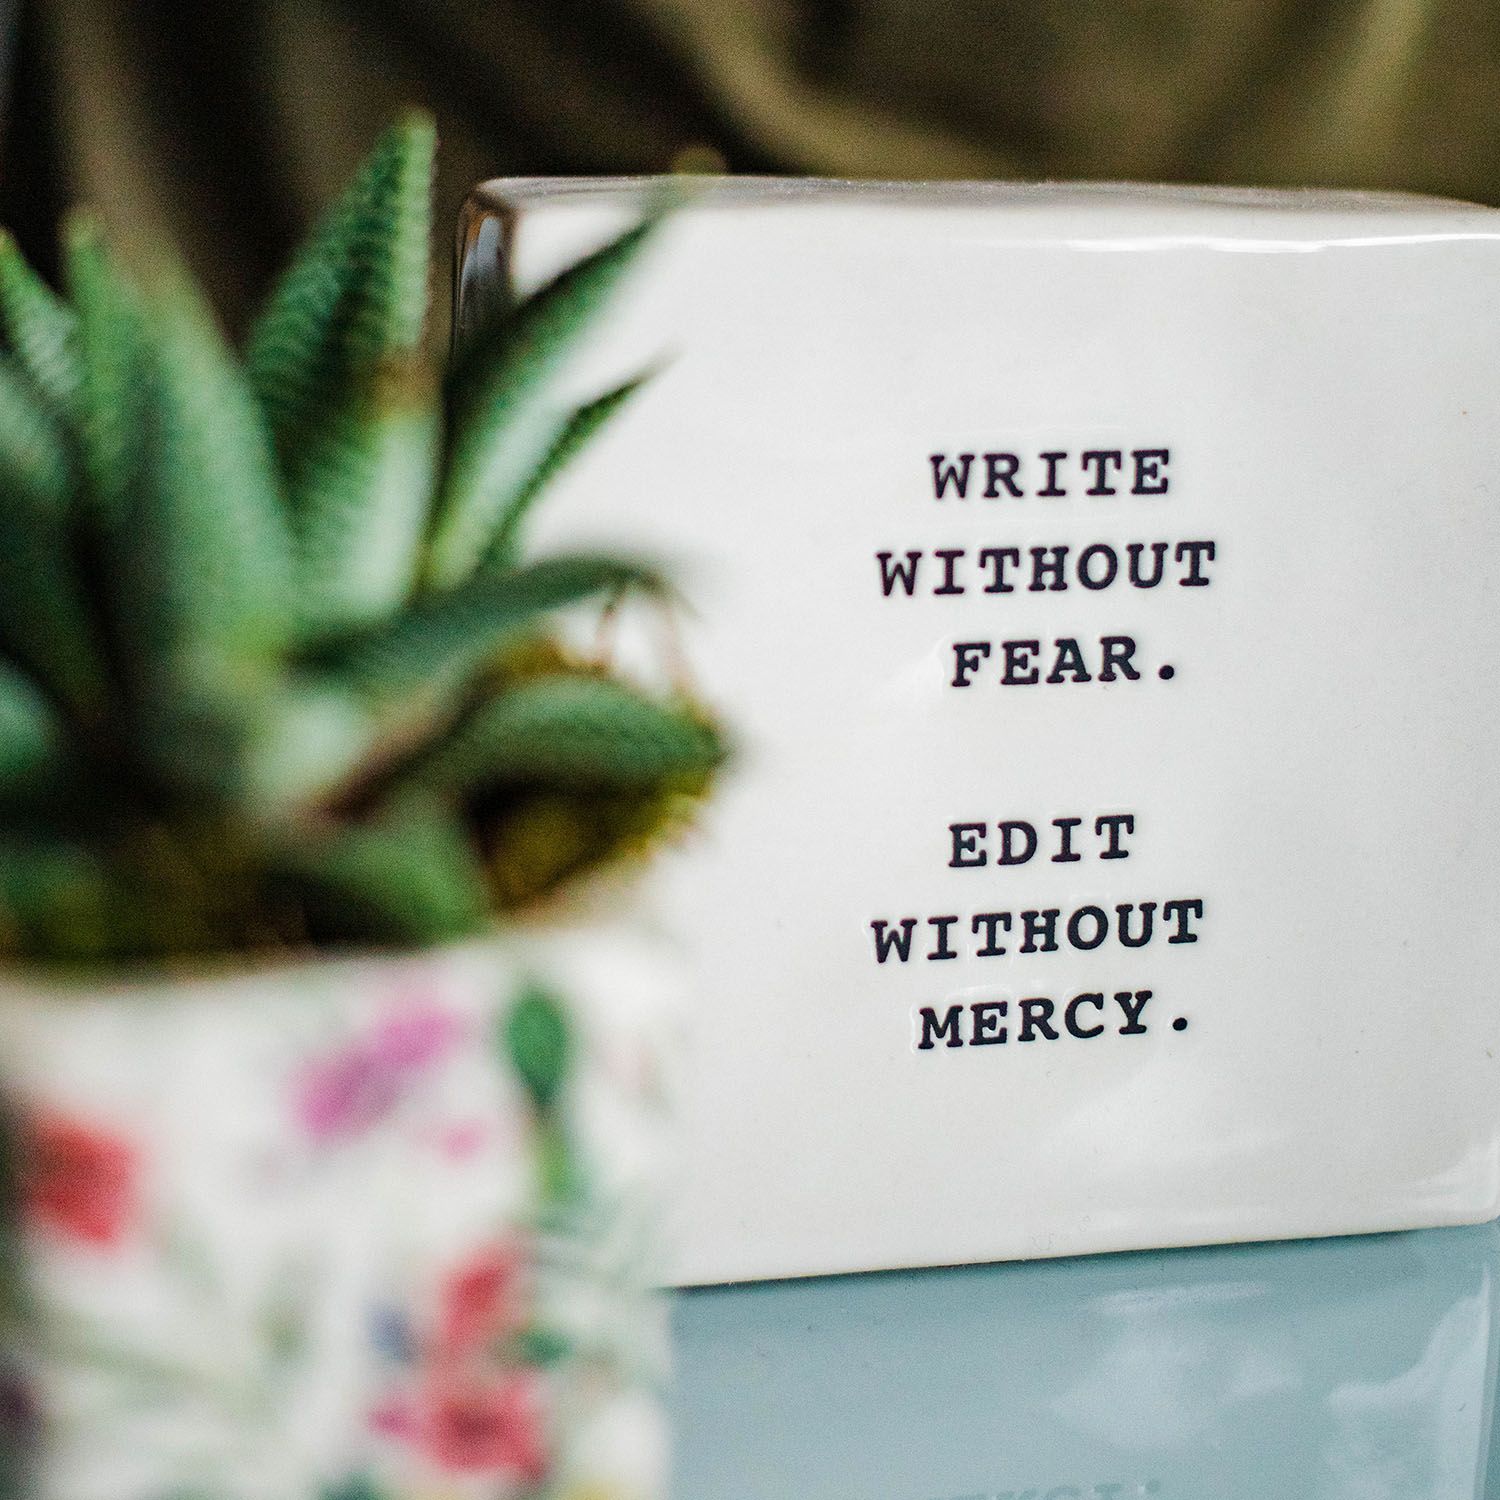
(488,1427)
(355,1088)
(341,1096)
(478,1301)
(397,1418)
(78,1181)
(462,1141)
(414,1038)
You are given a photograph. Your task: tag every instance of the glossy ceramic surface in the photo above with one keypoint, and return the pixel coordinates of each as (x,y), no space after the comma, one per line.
(1360,1369)
(1183,698)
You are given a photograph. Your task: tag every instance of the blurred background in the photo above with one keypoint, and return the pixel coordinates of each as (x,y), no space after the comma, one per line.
(226,124)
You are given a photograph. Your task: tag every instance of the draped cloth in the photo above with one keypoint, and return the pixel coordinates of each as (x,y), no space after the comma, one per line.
(225,125)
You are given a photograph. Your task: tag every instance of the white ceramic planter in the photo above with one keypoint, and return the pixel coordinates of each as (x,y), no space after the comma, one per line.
(1155,526)
(310,1233)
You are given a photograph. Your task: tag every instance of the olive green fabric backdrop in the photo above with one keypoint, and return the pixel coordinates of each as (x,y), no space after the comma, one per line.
(224,124)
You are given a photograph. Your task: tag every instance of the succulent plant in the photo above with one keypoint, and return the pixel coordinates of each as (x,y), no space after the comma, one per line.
(272,670)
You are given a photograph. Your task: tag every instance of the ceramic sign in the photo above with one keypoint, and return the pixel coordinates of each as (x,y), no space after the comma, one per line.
(1100,579)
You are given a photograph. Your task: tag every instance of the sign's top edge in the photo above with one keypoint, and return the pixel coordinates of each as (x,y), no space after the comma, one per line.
(1151,206)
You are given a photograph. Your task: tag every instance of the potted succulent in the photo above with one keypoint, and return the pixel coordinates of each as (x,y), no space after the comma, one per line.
(330,1084)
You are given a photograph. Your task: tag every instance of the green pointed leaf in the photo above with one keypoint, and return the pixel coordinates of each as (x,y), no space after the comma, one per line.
(223,564)
(62,900)
(412,878)
(357,292)
(45,622)
(113,379)
(331,361)
(307,740)
(368,486)
(438,644)
(46,785)
(78,901)
(538,1041)
(576,433)
(30,741)
(41,329)
(573,731)
(506,413)
(32,446)
(194,556)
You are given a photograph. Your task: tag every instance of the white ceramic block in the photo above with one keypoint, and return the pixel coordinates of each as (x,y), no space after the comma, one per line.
(1100,575)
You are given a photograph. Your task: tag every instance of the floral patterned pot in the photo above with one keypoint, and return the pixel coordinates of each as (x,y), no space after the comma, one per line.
(366,1230)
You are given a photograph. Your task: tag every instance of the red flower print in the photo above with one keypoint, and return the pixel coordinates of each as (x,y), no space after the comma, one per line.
(78,1181)
(491,1427)
(477,1300)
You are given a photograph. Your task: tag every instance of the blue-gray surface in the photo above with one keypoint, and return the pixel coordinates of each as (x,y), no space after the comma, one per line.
(1354,1369)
